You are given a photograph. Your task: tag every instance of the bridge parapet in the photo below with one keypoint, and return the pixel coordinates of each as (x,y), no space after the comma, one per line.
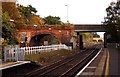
(53,27)
(90,27)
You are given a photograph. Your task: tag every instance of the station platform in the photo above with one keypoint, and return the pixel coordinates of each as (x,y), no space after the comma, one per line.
(6,65)
(114,68)
(98,66)
(106,64)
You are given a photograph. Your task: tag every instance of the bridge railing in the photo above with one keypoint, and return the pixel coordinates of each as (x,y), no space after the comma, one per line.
(37,49)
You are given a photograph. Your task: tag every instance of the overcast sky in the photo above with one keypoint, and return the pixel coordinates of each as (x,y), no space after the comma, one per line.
(79,11)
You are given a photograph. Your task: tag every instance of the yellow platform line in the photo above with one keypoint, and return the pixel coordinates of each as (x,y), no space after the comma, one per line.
(107,64)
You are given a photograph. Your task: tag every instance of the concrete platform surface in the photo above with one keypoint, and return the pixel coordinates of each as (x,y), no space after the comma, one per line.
(6,65)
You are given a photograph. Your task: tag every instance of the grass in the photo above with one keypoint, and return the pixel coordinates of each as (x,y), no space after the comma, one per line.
(48,57)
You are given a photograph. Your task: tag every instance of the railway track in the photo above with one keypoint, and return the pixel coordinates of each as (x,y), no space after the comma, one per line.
(67,67)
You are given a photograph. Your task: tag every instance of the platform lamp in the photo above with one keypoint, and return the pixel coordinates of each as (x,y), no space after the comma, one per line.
(118,38)
(36,34)
(60,36)
(13,21)
(50,29)
(67,13)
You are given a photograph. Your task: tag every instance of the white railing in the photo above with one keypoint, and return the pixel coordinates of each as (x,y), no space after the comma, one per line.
(13,53)
(37,49)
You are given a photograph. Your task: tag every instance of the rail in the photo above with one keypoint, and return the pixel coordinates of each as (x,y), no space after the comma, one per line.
(66,67)
(36,49)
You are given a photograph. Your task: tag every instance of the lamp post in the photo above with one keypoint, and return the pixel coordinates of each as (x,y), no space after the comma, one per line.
(118,38)
(13,39)
(36,34)
(60,36)
(67,13)
(50,29)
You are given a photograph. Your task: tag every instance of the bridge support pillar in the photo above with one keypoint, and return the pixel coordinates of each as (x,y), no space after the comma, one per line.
(105,40)
(79,41)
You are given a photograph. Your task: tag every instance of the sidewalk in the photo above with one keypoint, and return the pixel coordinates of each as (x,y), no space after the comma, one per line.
(114,60)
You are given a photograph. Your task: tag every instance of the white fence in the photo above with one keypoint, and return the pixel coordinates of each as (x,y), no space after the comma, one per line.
(13,53)
(36,49)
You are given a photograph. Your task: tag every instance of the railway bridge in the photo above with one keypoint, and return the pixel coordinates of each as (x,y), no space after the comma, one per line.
(69,35)
(89,28)
(45,35)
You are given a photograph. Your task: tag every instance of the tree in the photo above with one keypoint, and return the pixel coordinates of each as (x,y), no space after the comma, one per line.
(113,20)
(6,26)
(87,38)
(36,20)
(95,35)
(10,12)
(29,15)
(51,20)
(10,8)
(27,12)
(8,29)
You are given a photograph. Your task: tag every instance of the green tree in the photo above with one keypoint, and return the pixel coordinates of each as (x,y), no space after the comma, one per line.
(6,26)
(10,8)
(8,29)
(113,20)
(51,20)
(27,12)
(95,35)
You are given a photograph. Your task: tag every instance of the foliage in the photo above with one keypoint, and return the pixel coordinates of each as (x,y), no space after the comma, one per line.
(8,29)
(36,20)
(6,26)
(10,8)
(87,38)
(67,24)
(26,12)
(4,43)
(113,14)
(95,35)
(51,20)
(50,38)
(113,19)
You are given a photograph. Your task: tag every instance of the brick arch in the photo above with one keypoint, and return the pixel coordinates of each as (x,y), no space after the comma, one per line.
(63,34)
(42,39)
